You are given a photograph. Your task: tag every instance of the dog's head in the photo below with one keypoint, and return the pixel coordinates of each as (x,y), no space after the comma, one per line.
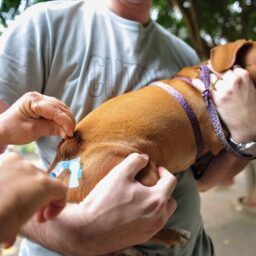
(241,52)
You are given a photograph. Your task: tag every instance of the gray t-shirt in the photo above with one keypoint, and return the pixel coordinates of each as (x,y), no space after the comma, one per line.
(82,53)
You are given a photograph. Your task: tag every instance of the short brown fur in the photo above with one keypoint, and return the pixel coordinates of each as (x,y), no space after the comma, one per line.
(149,120)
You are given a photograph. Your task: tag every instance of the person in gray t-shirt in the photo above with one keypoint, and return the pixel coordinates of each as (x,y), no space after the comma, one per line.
(84,52)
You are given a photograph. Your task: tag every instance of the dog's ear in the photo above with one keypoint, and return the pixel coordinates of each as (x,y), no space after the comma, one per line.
(223,57)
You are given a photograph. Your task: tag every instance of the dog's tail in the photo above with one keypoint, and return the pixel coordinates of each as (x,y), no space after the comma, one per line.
(68,149)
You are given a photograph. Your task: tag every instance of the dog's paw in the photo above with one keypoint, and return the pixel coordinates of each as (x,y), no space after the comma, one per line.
(172,238)
(182,239)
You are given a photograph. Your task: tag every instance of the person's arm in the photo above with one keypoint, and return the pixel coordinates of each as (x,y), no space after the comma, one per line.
(235,99)
(3,107)
(118,213)
(222,167)
(25,190)
(32,116)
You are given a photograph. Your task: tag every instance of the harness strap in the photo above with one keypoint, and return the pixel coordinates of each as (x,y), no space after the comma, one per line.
(189,111)
(185,79)
(205,77)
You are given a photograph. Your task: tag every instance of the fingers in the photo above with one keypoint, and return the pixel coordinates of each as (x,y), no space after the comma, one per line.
(54,208)
(223,84)
(55,200)
(30,189)
(198,84)
(9,243)
(51,128)
(52,109)
(48,196)
(11,156)
(242,74)
(132,164)
(233,77)
(61,117)
(166,183)
(50,211)
(231,84)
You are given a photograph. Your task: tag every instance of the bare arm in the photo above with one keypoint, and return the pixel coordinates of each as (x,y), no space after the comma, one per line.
(29,118)
(36,115)
(235,99)
(3,107)
(25,190)
(119,212)
(221,168)
(119,208)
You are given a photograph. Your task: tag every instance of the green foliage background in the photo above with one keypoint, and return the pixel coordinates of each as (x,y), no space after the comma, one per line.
(201,23)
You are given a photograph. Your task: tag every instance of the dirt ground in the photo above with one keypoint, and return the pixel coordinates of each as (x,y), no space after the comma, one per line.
(232,229)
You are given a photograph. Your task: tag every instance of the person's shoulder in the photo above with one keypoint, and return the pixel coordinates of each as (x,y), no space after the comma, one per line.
(45,14)
(49,9)
(56,5)
(177,45)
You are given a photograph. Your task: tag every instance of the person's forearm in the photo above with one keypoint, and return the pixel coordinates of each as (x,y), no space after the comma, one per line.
(107,220)
(3,135)
(222,167)
(3,143)
(64,236)
(60,235)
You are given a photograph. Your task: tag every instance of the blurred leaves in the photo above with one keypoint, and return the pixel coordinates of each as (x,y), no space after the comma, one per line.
(10,8)
(201,23)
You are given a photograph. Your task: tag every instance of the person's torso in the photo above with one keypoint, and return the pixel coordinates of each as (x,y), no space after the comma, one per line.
(90,55)
(95,55)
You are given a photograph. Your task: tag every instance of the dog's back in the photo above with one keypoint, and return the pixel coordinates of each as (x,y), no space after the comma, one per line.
(146,121)
(149,121)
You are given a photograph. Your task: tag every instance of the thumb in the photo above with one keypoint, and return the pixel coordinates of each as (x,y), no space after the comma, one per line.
(55,201)
(50,211)
(167,181)
(132,164)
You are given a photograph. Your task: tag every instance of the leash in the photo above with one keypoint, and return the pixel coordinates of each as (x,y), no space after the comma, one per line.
(213,114)
(215,120)
(189,111)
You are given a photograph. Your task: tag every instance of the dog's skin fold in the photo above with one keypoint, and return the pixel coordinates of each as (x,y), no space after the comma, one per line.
(149,121)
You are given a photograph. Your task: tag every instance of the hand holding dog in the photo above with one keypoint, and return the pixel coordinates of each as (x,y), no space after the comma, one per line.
(29,191)
(35,115)
(120,211)
(235,99)
(234,95)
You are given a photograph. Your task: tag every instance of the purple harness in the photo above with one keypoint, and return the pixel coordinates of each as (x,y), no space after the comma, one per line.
(205,77)
(189,111)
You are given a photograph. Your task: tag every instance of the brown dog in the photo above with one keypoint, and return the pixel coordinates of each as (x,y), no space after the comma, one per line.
(149,121)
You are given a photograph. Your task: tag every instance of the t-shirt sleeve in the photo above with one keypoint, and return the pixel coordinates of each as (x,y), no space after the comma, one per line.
(23,58)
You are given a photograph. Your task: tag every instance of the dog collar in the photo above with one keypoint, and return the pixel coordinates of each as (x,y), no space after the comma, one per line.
(75,169)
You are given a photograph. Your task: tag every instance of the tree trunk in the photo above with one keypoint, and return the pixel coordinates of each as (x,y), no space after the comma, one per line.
(192,23)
